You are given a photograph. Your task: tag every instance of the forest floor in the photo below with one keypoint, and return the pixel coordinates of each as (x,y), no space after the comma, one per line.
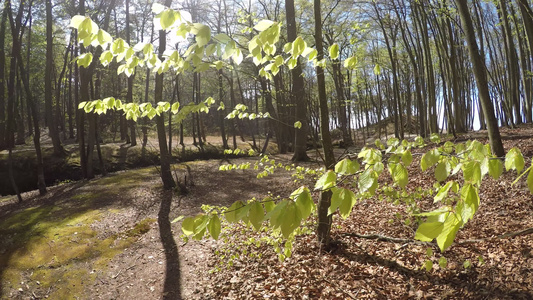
(112,238)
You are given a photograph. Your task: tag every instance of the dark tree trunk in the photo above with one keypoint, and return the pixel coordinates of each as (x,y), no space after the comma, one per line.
(297,91)
(324,221)
(164,155)
(48,89)
(481,79)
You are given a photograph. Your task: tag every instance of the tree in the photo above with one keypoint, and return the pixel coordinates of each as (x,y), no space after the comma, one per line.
(297,91)
(480,74)
(48,90)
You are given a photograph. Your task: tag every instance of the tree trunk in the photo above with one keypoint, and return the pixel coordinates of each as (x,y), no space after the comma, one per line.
(164,155)
(324,221)
(297,91)
(2,76)
(48,89)
(480,74)
(129,97)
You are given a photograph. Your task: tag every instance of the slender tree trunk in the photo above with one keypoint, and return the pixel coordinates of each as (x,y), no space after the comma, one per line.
(297,91)
(481,79)
(10,113)
(164,155)
(132,124)
(48,89)
(324,221)
(2,76)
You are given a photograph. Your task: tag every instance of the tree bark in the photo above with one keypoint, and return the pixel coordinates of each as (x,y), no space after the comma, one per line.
(297,91)
(164,155)
(48,89)
(480,74)
(324,221)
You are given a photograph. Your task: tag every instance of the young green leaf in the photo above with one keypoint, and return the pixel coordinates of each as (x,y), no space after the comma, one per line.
(399,174)
(472,172)
(495,168)
(326,181)
(231,213)
(256,214)
(514,160)
(441,172)
(530,180)
(187,226)
(451,226)
(377,70)
(263,25)
(291,219)
(334,51)
(304,202)
(426,232)
(348,200)
(347,167)
(298,125)
(429,159)
(214,227)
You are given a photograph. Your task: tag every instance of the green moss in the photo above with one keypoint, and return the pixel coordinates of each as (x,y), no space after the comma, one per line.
(56,246)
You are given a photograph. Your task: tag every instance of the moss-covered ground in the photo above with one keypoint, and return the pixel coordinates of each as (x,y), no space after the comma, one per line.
(55,250)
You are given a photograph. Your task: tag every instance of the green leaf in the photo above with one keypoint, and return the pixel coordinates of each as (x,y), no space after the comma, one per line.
(426,232)
(177,219)
(441,172)
(336,201)
(326,181)
(434,138)
(443,262)
(472,172)
(443,191)
(203,34)
(428,265)
(334,51)
(348,200)
(231,213)
(366,181)
(298,125)
(429,159)
(175,107)
(399,175)
(214,227)
(167,18)
(76,21)
(451,226)
(82,104)
(291,219)
(495,168)
(407,157)
(263,25)
(103,37)
(347,167)
(304,202)
(85,60)
(514,160)
(298,47)
(470,202)
(377,70)
(256,214)
(530,180)
(187,226)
